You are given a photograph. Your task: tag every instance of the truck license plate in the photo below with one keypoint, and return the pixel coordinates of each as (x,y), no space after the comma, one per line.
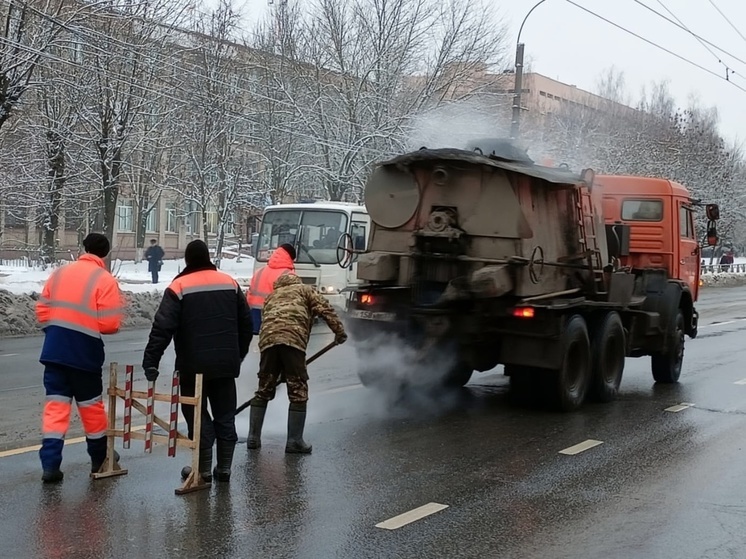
(372,315)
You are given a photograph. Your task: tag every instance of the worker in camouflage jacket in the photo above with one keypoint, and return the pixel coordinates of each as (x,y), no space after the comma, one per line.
(287,318)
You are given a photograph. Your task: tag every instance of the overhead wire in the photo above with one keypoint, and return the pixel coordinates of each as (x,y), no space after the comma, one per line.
(656,45)
(728,69)
(726,18)
(692,33)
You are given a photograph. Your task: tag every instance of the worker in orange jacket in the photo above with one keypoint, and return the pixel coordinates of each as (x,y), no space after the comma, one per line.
(281,262)
(80,302)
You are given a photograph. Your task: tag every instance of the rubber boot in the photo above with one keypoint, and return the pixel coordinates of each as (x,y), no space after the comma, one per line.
(256,420)
(296,423)
(224,458)
(205,464)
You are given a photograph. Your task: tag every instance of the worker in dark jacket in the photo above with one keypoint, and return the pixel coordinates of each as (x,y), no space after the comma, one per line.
(206,314)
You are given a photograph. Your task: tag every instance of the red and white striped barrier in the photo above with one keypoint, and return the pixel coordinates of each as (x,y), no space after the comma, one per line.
(132,399)
(127,436)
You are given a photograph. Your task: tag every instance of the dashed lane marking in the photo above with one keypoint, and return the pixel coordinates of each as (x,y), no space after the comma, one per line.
(711,324)
(411,516)
(25,449)
(580,447)
(679,407)
(742,381)
(9,354)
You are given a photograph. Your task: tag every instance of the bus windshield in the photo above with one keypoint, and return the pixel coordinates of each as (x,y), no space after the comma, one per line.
(313,233)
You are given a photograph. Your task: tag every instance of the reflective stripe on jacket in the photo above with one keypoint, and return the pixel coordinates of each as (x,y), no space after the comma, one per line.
(80,302)
(206,314)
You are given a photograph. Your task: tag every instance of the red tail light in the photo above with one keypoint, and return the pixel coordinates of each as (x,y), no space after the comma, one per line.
(366,299)
(524,312)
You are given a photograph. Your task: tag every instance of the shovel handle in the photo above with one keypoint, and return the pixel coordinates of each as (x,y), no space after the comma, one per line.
(310,360)
(319,353)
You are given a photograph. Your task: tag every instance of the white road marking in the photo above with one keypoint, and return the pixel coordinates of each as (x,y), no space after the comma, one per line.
(340,389)
(580,447)
(411,516)
(25,449)
(679,407)
(711,324)
(9,354)
(742,381)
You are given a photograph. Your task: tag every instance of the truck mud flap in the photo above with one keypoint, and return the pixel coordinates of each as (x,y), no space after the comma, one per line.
(531,352)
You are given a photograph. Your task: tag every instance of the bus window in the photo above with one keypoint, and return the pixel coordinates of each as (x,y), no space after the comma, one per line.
(319,234)
(278,227)
(358,235)
(313,233)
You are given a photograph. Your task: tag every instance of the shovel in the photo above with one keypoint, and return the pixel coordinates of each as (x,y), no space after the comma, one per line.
(310,360)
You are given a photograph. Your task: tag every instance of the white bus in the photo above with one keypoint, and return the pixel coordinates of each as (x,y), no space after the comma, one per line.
(314,230)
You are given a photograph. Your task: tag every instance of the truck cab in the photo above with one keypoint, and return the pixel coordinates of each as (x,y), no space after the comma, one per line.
(657,226)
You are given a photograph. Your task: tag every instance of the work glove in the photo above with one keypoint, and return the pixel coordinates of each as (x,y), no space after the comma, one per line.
(339,339)
(151,373)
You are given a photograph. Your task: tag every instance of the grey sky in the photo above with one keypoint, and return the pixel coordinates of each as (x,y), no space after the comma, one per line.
(568,44)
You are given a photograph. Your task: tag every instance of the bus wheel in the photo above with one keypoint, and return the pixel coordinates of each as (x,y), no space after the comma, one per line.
(608,352)
(569,384)
(667,366)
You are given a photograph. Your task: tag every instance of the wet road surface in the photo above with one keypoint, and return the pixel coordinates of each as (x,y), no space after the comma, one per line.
(660,483)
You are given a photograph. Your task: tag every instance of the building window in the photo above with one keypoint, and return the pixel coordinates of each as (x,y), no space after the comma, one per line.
(125,213)
(212,221)
(151,222)
(171,221)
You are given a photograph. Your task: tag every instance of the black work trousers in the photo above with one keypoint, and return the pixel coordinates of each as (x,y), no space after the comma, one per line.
(221,395)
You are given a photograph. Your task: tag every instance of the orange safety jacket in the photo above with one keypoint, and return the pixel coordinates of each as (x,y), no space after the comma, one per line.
(262,284)
(80,302)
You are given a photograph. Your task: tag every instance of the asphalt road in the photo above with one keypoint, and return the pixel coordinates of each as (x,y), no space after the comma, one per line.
(660,483)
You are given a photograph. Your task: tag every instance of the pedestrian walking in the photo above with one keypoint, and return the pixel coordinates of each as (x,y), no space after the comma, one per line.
(281,262)
(206,314)
(80,302)
(287,318)
(154,255)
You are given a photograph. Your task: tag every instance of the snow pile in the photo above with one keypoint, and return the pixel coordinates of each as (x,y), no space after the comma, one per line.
(724,279)
(20,288)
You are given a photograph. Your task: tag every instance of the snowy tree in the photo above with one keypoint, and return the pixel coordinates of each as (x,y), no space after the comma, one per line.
(367,66)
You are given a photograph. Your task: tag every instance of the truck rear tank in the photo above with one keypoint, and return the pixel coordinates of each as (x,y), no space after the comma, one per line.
(479,257)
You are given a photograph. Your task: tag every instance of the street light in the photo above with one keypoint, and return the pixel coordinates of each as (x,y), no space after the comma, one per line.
(514,125)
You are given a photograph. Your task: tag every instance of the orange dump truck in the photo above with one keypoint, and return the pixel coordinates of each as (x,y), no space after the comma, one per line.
(480,257)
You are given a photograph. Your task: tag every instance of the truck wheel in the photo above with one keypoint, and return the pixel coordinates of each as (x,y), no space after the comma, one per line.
(667,366)
(608,353)
(569,385)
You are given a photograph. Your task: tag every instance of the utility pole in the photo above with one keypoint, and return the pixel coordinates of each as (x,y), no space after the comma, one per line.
(515,125)
(518,86)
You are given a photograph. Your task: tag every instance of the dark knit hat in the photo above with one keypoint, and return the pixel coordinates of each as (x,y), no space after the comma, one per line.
(197,254)
(290,249)
(97,244)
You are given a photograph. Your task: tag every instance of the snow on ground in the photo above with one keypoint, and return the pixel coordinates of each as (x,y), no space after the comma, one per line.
(20,287)
(133,277)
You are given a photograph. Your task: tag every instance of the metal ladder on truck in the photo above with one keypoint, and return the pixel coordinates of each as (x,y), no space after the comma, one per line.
(588,238)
